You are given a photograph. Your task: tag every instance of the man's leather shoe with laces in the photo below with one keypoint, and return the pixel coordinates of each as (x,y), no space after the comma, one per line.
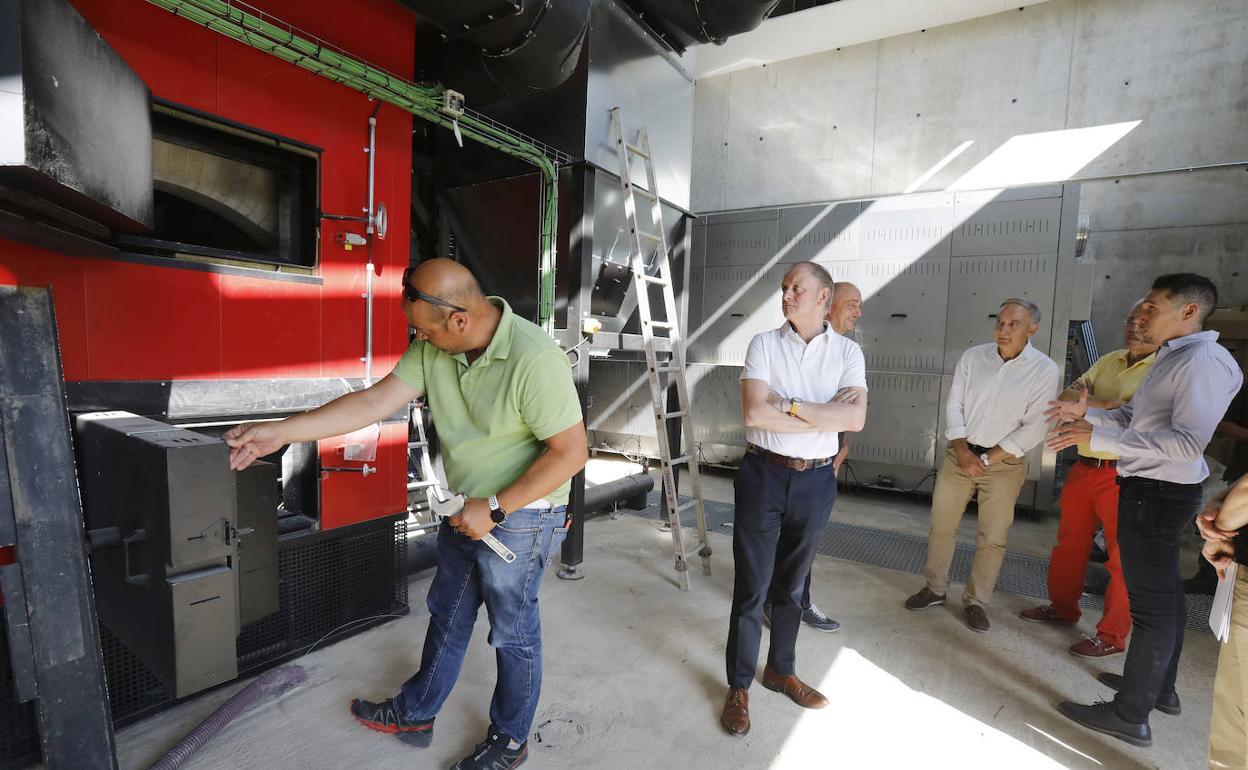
(1095,647)
(1045,613)
(736,716)
(924,599)
(1103,717)
(1167,702)
(798,691)
(976,618)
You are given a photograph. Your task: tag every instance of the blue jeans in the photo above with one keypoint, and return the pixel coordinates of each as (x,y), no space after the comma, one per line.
(469,573)
(1151,517)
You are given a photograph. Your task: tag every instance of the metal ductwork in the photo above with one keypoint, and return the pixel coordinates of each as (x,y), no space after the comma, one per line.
(682,23)
(522,45)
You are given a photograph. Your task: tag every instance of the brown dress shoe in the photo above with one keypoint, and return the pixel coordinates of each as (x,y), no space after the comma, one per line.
(1095,647)
(798,691)
(976,618)
(736,716)
(1045,613)
(924,599)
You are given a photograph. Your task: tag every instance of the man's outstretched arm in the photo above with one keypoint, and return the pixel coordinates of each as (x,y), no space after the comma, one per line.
(252,440)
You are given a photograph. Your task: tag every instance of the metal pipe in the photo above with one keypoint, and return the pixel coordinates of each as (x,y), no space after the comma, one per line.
(226,17)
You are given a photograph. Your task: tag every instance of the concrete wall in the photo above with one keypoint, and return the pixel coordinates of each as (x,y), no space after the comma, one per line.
(879,118)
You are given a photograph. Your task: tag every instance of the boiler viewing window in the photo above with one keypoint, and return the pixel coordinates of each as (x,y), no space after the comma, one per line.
(227,193)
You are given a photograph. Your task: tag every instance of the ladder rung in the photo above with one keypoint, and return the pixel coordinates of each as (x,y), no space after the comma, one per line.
(674,415)
(417,444)
(420,484)
(649,235)
(655,279)
(637,151)
(663,324)
(676,460)
(666,369)
(686,506)
(645,193)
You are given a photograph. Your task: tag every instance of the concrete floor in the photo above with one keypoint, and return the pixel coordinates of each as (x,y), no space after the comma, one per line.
(634,679)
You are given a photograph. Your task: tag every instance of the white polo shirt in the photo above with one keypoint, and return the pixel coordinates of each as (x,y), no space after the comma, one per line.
(812,371)
(994,402)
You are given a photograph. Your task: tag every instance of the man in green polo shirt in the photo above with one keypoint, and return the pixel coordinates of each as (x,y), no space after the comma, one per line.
(509,419)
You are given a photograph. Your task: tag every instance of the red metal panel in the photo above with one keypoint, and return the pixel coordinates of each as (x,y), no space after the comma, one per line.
(269,328)
(152,323)
(22,265)
(125,321)
(347,498)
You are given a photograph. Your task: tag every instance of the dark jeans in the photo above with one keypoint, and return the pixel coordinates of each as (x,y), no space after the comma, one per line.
(1152,515)
(469,573)
(780,514)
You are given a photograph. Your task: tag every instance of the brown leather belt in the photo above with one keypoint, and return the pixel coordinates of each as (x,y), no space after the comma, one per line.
(1095,463)
(784,461)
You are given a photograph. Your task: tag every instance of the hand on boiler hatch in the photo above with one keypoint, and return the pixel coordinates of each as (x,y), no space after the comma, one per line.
(251,441)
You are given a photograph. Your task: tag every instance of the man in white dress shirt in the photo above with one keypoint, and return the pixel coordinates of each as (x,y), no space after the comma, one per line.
(994,415)
(802,383)
(1160,435)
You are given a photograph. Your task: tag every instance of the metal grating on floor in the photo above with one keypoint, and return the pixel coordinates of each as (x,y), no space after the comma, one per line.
(1020,574)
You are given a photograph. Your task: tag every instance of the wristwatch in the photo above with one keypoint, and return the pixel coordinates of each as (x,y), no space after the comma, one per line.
(497,514)
(794,403)
(984,459)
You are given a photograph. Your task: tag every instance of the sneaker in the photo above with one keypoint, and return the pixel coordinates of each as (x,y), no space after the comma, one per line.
(1103,717)
(1095,647)
(384,717)
(1044,614)
(494,754)
(814,617)
(924,599)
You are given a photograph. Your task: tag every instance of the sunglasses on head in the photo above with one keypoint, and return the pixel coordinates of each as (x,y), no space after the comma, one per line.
(411,295)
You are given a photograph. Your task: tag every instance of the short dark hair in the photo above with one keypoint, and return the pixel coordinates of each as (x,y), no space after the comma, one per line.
(1189,288)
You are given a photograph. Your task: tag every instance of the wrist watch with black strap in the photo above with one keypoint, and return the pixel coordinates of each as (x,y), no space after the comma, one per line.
(497,514)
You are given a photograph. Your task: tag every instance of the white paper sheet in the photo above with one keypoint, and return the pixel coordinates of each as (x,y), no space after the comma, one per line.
(1220,612)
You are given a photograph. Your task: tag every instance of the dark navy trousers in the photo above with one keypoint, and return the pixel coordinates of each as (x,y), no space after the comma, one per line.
(780,515)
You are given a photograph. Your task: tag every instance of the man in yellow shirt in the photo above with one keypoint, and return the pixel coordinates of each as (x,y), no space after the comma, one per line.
(1090,500)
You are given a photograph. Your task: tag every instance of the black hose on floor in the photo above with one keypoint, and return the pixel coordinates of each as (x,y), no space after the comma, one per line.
(274,681)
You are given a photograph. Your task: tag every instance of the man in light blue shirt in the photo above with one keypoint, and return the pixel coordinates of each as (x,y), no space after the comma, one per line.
(1160,435)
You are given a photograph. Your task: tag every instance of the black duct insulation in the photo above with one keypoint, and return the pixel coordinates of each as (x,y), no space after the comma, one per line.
(631,491)
(685,22)
(522,45)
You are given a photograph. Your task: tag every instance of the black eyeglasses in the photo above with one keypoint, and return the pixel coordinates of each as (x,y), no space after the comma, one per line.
(411,295)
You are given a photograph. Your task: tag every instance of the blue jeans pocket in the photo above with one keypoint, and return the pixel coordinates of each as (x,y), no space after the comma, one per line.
(556,540)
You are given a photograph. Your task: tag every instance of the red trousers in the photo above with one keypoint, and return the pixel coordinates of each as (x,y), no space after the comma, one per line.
(1089,500)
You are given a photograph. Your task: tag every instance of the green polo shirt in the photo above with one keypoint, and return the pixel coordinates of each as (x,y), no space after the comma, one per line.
(493,415)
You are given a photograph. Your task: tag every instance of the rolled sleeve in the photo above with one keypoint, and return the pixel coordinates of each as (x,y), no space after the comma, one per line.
(1030,431)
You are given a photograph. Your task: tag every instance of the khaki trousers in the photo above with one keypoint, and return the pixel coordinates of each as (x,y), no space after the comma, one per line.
(998,490)
(1228,739)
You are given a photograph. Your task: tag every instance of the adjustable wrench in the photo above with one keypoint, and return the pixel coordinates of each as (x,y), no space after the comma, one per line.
(446,508)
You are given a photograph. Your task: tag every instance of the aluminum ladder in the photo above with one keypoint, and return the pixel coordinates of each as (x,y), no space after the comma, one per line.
(644,242)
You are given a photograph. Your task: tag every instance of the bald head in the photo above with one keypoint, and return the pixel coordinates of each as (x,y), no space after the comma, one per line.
(846,307)
(448,280)
(442,283)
